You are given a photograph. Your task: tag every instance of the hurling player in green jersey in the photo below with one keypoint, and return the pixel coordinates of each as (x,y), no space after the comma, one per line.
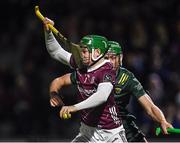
(127,86)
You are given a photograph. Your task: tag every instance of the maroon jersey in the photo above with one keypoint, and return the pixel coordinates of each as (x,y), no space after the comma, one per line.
(104,116)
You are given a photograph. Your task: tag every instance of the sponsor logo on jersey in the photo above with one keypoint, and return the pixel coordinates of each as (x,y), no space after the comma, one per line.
(87,92)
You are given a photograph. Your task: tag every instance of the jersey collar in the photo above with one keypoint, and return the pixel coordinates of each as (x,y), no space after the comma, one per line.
(100,63)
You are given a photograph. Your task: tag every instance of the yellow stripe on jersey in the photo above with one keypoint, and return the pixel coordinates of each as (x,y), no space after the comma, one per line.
(123,79)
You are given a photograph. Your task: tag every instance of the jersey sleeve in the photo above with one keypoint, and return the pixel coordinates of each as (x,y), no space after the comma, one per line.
(135,86)
(55,49)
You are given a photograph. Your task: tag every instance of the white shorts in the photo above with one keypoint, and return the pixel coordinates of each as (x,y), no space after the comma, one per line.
(91,134)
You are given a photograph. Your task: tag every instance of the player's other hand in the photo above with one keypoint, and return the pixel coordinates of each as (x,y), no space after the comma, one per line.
(47,21)
(164,126)
(56,101)
(67,110)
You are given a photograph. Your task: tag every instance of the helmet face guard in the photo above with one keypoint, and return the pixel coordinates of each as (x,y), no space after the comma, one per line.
(92,42)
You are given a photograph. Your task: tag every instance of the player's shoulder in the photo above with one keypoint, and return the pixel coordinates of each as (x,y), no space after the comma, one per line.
(123,70)
(124,76)
(105,72)
(107,66)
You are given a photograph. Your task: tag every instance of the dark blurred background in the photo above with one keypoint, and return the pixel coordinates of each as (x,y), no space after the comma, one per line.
(148,30)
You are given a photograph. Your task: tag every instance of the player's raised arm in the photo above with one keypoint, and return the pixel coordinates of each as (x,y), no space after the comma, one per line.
(52,45)
(55,87)
(154,112)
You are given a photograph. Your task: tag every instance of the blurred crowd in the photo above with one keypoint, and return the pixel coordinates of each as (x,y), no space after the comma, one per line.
(148,31)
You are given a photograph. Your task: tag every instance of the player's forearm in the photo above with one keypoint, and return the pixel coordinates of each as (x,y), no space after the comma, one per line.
(55,49)
(98,98)
(59,82)
(157,114)
(151,109)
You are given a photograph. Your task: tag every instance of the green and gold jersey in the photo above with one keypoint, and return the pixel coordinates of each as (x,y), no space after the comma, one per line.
(126,86)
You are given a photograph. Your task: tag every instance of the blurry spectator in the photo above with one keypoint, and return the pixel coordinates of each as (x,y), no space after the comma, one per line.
(156,88)
(138,35)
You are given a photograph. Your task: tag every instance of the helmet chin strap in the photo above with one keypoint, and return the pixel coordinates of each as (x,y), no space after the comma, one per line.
(95,59)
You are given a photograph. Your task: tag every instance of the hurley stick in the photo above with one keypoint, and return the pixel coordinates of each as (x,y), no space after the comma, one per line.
(74,48)
(169,130)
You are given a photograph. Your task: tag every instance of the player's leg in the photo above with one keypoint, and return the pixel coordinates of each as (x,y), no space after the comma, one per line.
(90,134)
(80,138)
(115,135)
(84,134)
(133,133)
(118,138)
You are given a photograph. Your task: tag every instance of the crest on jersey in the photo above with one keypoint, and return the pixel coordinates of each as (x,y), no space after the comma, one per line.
(117,90)
(108,78)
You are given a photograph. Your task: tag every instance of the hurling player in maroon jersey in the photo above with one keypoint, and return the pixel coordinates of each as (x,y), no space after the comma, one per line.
(95,81)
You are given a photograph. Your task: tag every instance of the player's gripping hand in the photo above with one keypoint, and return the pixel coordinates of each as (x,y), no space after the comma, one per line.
(47,21)
(165,125)
(65,112)
(56,101)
